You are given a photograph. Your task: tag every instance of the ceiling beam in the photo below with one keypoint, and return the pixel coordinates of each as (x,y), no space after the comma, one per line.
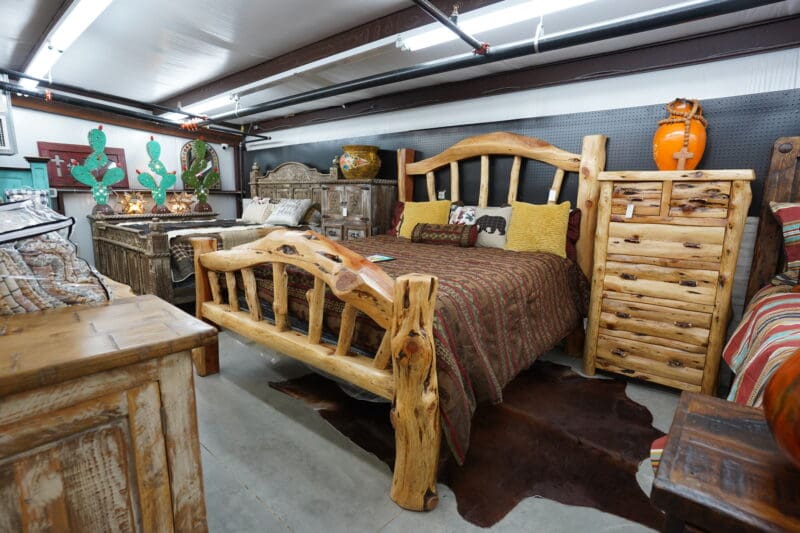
(398,22)
(106,117)
(735,42)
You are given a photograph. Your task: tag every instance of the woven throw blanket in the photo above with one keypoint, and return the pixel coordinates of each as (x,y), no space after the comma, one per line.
(182,254)
(767,335)
(496,312)
(43,272)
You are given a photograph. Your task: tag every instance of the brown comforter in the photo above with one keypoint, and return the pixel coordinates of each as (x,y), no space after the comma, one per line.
(497,311)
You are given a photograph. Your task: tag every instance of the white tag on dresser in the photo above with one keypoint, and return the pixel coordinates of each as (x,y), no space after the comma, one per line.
(629,211)
(344,211)
(551,196)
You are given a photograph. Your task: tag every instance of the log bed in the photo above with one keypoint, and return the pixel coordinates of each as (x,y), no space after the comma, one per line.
(403,370)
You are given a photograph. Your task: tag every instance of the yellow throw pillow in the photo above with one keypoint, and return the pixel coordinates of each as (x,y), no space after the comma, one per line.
(423,213)
(538,228)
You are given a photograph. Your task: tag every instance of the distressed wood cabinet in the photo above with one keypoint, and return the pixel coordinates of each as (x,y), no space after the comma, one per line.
(665,255)
(98,430)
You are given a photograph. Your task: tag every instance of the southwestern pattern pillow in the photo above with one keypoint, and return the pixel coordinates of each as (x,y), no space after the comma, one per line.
(789,217)
(446,234)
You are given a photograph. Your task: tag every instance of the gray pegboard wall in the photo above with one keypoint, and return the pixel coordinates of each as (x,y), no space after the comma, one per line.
(741,132)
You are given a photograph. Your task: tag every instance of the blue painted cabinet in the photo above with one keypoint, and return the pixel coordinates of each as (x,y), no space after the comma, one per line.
(34,177)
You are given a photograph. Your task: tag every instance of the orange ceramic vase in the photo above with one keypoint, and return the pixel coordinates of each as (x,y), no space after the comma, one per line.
(685,128)
(782,406)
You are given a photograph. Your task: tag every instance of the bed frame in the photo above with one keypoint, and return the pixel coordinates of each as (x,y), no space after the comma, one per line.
(404,367)
(781,185)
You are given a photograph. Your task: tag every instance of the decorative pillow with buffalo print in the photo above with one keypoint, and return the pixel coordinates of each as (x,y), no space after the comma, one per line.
(492,224)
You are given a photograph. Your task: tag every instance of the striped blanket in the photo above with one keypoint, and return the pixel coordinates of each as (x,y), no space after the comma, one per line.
(767,335)
(496,312)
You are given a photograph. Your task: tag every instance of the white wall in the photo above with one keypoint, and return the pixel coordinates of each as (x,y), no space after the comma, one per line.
(33,126)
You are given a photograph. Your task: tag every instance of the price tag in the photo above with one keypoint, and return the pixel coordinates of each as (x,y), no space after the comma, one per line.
(551,196)
(629,211)
(344,211)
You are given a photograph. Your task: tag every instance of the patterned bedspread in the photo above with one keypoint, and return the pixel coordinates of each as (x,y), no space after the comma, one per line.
(767,335)
(497,311)
(181,251)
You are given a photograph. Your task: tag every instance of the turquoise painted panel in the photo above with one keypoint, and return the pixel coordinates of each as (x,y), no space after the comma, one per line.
(20,178)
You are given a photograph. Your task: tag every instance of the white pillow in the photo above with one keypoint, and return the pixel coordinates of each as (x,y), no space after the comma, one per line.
(257,212)
(463,214)
(289,212)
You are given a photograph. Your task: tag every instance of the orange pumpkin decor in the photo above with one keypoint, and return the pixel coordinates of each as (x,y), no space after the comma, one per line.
(680,140)
(782,406)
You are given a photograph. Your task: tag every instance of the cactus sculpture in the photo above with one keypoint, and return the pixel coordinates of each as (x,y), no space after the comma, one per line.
(97,172)
(168,179)
(200,175)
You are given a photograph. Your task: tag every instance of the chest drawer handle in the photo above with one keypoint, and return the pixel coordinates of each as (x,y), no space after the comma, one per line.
(691,245)
(674,364)
(683,324)
(620,314)
(629,277)
(632,240)
(619,352)
(687,283)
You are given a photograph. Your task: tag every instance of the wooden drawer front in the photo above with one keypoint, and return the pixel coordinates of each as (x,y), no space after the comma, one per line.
(686,327)
(645,198)
(334,233)
(707,199)
(696,243)
(352,233)
(662,282)
(671,366)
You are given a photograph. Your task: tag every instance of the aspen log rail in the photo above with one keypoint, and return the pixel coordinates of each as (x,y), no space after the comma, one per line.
(403,370)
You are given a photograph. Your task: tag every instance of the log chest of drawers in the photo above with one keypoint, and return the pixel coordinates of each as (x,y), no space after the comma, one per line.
(665,255)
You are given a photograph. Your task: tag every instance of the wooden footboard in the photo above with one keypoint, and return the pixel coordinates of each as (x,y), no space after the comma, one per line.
(404,368)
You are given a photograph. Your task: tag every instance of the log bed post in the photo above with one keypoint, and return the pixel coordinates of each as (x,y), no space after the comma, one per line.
(206,359)
(415,407)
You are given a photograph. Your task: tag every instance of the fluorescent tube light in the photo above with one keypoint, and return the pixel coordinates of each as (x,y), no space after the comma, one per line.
(201,107)
(487,21)
(72,24)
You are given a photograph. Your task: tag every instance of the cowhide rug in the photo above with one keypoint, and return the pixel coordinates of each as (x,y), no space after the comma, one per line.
(557,435)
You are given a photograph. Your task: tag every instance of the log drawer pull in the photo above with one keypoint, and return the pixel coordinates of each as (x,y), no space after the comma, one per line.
(674,364)
(629,277)
(619,352)
(687,283)
(620,314)
(691,245)
(683,324)
(632,240)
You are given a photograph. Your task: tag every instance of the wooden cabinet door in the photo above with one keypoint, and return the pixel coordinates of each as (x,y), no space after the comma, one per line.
(333,201)
(359,204)
(96,465)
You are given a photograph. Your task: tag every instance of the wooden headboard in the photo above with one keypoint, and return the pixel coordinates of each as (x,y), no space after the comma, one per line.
(587,165)
(781,185)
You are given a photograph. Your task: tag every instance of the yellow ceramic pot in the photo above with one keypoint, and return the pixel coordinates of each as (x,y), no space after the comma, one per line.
(360,162)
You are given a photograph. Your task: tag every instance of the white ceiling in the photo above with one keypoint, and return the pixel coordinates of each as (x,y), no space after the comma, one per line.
(150,50)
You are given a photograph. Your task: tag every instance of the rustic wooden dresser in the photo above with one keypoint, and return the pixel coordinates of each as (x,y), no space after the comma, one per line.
(98,429)
(351,209)
(665,255)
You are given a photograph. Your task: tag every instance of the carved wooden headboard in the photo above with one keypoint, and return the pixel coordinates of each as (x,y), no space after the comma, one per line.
(781,185)
(587,165)
(286,174)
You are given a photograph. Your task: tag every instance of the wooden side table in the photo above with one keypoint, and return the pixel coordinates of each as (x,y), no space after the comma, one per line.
(722,471)
(98,426)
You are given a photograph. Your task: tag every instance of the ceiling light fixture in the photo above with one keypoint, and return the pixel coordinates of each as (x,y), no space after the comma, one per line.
(69,27)
(486,21)
(201,107)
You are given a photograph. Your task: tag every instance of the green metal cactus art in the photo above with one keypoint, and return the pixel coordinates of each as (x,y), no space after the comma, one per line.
(168,179)
(97,171)
(200,175)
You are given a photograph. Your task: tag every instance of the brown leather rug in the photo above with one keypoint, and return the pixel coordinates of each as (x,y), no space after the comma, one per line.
(557,435)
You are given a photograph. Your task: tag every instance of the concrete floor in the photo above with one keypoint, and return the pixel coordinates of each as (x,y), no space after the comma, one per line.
(271,464)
